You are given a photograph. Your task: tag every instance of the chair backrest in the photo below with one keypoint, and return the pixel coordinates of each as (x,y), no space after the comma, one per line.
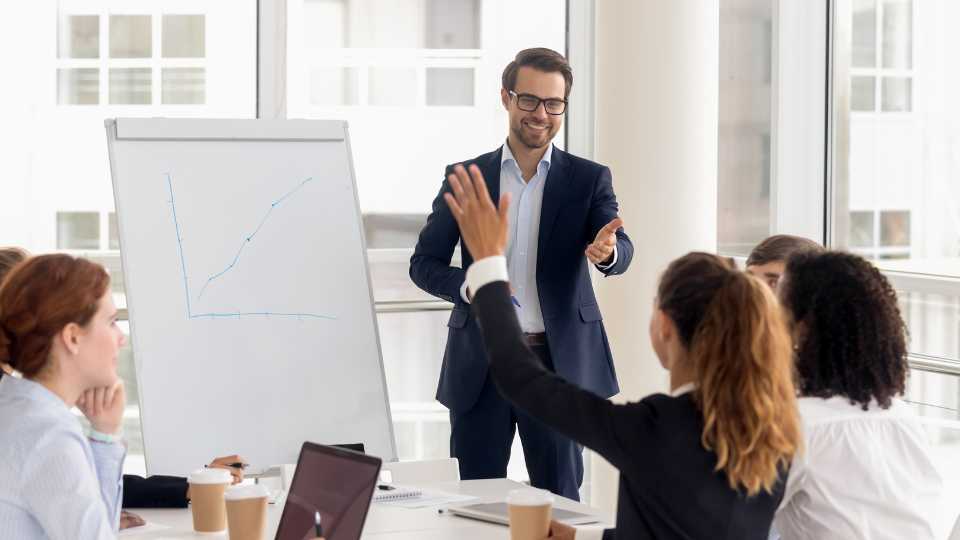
(421,472)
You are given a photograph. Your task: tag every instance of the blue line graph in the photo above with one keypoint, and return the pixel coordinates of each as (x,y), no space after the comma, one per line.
(247,239)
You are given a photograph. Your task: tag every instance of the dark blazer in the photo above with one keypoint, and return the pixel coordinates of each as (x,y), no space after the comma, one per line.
(578,200)
(668,485)
(154,492)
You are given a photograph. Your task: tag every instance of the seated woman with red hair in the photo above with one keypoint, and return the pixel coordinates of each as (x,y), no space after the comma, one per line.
(58,330)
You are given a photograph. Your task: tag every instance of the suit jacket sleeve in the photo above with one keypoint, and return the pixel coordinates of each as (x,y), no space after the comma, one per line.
(154,492)
(603,208)
(430,264)
(581,415)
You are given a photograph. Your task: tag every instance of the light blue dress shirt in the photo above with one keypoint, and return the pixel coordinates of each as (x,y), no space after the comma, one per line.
(526,203)
(54,482)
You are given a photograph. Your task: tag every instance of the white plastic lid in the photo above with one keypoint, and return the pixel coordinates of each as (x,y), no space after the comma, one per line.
(210,476)
(529,497)
(247,491)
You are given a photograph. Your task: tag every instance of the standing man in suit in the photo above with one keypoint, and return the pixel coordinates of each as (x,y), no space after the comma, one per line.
(563,214)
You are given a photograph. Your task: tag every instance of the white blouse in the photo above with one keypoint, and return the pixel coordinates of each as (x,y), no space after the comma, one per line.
(864,475)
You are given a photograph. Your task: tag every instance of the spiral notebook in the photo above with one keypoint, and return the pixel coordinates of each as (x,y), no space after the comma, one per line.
(388,493)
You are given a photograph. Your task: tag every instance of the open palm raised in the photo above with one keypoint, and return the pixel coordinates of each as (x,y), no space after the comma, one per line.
(483,226)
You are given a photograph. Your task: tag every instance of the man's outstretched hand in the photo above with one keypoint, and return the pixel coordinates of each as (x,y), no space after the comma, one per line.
(601,249)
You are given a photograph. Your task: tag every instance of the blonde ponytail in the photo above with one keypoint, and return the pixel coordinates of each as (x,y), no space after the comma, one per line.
(740,349)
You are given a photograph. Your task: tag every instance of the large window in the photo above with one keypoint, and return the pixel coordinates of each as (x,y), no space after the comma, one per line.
(879,94)
(746,127)
(897,161)
(418,80)
(772,128)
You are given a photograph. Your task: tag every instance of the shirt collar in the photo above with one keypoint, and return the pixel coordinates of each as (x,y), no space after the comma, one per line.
(507,155)
(683,389)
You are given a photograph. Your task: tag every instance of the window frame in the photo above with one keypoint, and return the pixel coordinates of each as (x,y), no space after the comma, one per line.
(819,210)
(837,179)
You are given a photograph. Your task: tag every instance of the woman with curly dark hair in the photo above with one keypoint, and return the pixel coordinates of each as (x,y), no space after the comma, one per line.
(866,471)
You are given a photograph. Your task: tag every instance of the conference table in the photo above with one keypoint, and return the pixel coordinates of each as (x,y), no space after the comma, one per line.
(383,522)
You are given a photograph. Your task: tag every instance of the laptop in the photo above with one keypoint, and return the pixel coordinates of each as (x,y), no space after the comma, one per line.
(497,513)
(336,482)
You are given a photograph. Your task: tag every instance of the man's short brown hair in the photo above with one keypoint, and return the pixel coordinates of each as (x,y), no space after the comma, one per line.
(780,247)
(541,59)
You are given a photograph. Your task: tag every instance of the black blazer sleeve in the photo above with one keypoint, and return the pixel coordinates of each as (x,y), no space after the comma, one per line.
(603,208)
(154,492)
(430,264)
(581,415)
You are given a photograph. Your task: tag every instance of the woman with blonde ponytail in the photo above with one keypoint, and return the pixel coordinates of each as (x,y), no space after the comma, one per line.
(707,461)
(738,350)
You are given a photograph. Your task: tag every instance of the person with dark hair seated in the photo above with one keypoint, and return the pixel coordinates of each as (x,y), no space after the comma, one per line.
(707,461)
(769,258)
(866,470)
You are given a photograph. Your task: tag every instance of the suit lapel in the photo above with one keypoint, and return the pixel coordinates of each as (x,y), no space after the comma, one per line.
(490,167)
(554,195)
(491,175)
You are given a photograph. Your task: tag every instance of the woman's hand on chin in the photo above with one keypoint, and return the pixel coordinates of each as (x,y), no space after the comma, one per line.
(104,406)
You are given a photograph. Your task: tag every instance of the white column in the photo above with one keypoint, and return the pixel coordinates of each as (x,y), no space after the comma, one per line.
(657,119)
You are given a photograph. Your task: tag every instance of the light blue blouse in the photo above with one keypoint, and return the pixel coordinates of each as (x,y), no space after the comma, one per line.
(54,482)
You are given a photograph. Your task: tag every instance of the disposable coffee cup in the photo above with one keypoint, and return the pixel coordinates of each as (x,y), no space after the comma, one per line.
(207,487)
(530,511)
(246,512)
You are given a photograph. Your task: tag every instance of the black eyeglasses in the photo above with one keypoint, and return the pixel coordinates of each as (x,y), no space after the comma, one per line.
(530,102)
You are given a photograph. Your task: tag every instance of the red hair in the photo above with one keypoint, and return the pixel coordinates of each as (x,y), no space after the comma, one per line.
(39,298)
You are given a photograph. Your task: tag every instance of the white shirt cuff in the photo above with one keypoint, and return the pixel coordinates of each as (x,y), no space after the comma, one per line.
(463,292)
(486,270)
(589,533)
(612,262)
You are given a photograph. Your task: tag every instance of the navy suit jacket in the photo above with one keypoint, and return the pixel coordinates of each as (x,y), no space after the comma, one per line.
(578,200)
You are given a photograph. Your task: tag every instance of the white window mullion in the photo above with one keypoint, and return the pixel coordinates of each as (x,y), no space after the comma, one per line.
(104,56)
(155,60)
(272,59)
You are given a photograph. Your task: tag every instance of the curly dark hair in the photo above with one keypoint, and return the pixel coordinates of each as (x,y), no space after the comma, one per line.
(852,340)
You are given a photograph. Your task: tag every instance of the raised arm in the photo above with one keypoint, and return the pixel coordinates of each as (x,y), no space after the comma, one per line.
(574,412)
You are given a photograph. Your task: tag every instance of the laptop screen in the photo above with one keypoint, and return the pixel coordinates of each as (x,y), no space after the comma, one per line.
(337,483)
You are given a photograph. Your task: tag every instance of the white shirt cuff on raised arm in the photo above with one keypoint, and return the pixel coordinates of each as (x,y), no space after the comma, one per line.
(589,533)
(486,270)
(612,261)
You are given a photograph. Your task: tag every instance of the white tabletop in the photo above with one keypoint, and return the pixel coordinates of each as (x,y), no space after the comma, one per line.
(383,522)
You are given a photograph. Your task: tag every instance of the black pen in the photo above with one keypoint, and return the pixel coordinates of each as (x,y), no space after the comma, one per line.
(385,487)
(316,525)
(238,465)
